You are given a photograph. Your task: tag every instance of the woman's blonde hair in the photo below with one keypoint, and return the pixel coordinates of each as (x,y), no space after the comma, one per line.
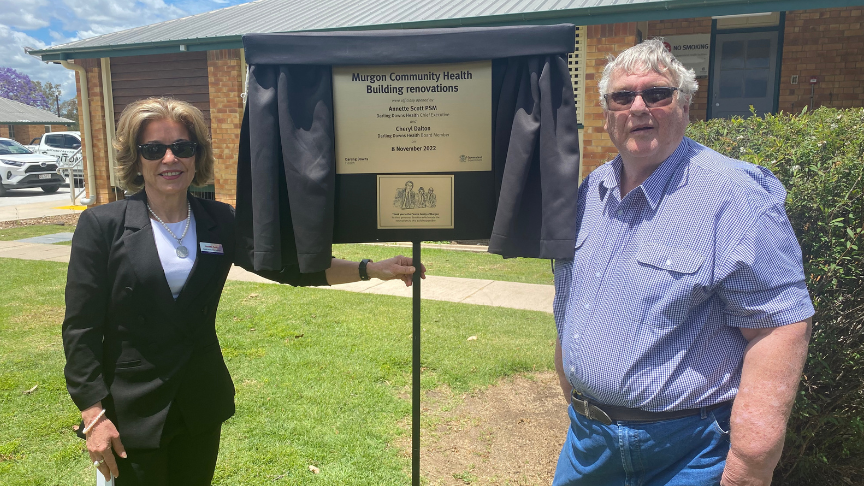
(132,122)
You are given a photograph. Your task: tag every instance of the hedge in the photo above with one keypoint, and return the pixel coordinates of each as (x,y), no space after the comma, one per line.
(819,157)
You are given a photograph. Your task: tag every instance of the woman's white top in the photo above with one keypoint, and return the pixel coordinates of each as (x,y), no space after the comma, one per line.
(176,269)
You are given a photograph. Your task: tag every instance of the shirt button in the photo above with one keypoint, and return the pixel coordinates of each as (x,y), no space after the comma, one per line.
(597,274)
(668,263)
(619,212)
(587,306)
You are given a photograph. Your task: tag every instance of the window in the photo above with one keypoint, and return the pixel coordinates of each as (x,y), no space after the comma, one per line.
(12,132)
(47,128)
(55,141)
(72,142)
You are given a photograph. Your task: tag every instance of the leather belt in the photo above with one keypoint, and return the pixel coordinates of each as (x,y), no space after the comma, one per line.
(606,414)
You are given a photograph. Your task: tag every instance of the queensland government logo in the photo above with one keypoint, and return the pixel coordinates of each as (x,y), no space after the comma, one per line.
(470,158)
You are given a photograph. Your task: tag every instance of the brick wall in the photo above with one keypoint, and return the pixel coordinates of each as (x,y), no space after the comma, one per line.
(601,40)
(666,28)
(828,43)
(226,113)
(104,191)
(25,133)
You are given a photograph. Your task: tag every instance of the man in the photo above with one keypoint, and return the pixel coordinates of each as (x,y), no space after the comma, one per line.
(683,318)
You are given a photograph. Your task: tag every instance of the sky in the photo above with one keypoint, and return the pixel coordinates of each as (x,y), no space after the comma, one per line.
(42,23)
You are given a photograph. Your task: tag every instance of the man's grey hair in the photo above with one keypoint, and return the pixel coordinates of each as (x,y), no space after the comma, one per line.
(650,55)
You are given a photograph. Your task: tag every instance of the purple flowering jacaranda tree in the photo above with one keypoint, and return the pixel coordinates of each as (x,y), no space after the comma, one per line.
(18,87)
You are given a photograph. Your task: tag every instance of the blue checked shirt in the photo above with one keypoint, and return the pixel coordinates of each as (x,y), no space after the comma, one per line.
(648,308)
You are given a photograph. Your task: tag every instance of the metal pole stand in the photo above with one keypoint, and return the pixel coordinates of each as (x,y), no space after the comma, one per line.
(415,393)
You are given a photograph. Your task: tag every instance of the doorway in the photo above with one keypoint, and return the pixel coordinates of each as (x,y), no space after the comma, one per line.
(745,70)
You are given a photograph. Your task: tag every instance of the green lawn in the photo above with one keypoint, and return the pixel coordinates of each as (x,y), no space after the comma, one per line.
(447,263)
(464,264)
(323,378)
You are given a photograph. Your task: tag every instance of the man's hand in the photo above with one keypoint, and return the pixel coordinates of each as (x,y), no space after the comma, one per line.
(773,362)
(396,267)
(103,442)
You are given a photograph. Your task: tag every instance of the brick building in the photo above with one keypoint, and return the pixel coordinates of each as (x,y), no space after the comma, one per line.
(23,123)
(771,55)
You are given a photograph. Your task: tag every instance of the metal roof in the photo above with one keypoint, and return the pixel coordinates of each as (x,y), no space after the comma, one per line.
(223,28)
(15,113)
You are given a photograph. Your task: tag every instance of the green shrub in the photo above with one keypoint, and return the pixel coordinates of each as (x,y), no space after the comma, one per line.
(819,157)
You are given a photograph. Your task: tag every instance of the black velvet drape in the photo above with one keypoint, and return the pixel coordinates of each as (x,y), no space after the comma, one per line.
(286,175)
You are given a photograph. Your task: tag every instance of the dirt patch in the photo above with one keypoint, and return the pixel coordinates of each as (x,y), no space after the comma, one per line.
(508,434)
(62,220)
(35,317)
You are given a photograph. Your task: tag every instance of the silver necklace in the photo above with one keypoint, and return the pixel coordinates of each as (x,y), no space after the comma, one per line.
(182,251)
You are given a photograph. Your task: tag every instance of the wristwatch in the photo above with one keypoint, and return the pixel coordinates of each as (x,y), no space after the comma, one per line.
(363,274)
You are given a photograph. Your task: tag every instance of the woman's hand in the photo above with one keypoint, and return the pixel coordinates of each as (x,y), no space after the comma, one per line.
(103,441)
(396,267)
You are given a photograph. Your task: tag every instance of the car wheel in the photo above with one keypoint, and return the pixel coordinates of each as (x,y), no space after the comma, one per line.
(50,189)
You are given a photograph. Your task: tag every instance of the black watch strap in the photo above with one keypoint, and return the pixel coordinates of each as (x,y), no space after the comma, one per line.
(363,274)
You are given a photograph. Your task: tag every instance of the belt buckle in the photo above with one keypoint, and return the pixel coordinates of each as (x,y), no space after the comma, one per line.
(586,409)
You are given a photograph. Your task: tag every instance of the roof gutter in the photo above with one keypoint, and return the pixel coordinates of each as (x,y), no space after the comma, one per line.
(86,133)
(158,47)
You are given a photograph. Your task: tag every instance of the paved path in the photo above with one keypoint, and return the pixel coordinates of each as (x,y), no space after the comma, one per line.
(450,289)
(48,205)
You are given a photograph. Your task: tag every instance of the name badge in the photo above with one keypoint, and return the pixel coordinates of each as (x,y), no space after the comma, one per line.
(212,248)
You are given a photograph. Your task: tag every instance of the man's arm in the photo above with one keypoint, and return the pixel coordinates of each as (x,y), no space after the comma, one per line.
(566,387)
(773,362)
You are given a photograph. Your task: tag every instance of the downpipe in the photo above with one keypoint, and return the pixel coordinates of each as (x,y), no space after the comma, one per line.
(88,139)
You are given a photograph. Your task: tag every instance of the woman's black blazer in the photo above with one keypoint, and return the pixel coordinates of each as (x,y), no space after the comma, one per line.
(128,343)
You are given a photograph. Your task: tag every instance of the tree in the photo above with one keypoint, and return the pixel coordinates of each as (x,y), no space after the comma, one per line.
(69,110)
(52,92)
(18,87)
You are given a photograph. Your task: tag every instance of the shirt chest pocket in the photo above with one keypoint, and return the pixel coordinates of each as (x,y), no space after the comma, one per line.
(679,261)
(670,282)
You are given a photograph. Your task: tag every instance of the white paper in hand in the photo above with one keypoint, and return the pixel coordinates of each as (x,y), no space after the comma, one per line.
(100,480)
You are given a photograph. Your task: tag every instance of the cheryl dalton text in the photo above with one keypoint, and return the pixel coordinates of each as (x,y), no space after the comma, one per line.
(376,87)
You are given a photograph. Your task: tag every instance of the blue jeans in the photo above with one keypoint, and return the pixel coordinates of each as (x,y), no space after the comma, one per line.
(689,451)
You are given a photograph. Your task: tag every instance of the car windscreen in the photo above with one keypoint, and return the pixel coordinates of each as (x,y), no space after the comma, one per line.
(9,147)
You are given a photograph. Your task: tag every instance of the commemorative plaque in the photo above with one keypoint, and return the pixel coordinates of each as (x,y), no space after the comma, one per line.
(415,201)
(408,120)
(415,118)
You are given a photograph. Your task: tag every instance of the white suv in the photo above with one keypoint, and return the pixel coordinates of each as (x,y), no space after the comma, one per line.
(22,169)
(65,146)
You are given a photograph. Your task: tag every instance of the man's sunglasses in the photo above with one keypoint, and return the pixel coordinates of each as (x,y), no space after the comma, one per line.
(621,100)
(155,151)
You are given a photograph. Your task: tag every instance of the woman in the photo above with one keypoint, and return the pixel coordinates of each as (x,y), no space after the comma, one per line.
(143,363)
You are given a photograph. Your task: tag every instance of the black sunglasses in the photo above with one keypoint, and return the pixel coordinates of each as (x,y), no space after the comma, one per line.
(155,151)
(621,100)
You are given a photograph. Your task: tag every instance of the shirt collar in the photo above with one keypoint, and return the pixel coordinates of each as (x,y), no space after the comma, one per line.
(612,179)
(655,184)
